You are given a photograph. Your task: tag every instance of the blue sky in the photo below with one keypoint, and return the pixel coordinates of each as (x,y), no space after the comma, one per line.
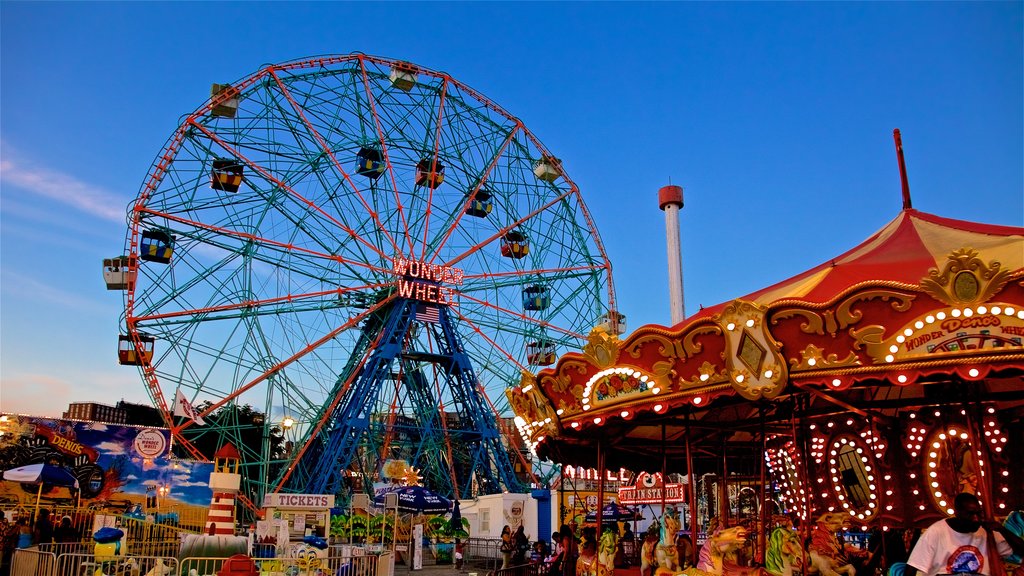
(777,118)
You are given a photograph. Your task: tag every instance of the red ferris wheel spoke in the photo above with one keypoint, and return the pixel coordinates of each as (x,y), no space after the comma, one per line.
(291,359)
(384,149)
(243,235)
(506,229)
(256,304)
(487,174)
(329,410)
(534,321)
(304,201)
(528,273)
(433,167)
(327,150)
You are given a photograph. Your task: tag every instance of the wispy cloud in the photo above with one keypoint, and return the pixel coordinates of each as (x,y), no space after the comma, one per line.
(26,286)
(60,187)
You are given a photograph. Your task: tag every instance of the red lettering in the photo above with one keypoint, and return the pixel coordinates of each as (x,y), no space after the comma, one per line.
(405,288)
(414,269)
(401,266)
(1014,330)
(431,293)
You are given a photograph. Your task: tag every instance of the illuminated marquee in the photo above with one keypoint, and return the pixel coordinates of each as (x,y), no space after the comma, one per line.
(651,489)
(986,327)
(422,281)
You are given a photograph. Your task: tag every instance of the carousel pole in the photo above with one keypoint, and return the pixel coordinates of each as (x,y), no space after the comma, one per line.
(980,449)
(664,474)
(763,529)
(723,491)
(692,493)
(800,440)
(600,486)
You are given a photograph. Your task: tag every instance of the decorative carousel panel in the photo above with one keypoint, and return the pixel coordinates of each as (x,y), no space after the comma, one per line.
(853,476)
(784,461)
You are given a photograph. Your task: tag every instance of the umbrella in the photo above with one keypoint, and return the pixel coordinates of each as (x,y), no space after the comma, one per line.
(612,512)
(41,474)
(416,499)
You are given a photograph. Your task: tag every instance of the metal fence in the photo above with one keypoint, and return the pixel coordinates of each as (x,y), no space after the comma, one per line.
(60,561)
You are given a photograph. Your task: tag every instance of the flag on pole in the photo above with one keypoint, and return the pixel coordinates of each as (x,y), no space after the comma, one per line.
(182,407)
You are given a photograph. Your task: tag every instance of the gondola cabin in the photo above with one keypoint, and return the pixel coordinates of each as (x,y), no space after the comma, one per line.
(515,245)
(480,204)
(613,322)
(548,168)
(226,175)
(119,273)
(225,97)
(403,76)
(427,177)
(536,297)
(369,163)
(541,353)
(156,246)
(127,354)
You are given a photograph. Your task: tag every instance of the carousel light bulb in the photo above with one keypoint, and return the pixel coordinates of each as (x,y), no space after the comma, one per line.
(894,348)
(888,506)
(597,420)
(949,511)
(750,323)
(901,338)
(837,382)
(908,332)
(973,372)
(1009,311)
(941,316)
(929,318)
(888,492)
(889,358)
(902,378)
(913,415)
(991,410)
(982,309)
(704,377)
(559,412)
(768,373)
(624,414)
(739,378)
(968,312)
(955,313)
(913,475)
(996,309)
(921,507)
(811,361)
(575,424)
(918,324)
(730,326)
(697,400)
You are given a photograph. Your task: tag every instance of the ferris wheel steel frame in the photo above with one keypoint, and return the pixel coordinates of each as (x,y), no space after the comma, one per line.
(396,224)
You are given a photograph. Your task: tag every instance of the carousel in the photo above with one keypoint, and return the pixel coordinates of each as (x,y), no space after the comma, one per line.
(866,392)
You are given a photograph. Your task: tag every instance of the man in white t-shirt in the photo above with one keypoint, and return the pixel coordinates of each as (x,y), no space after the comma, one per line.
(960,544)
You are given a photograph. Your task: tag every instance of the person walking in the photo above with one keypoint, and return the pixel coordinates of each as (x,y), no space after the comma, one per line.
(43,533)
(507,546)
(522,546)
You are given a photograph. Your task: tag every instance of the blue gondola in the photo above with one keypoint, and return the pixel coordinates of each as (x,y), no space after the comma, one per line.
(156,246)
(370,163)
(480,205)
(536,297)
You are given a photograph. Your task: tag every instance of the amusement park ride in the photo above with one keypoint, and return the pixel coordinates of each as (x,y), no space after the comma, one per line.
(365,248)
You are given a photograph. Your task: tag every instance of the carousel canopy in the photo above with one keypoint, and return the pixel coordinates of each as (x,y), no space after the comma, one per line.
(927,312)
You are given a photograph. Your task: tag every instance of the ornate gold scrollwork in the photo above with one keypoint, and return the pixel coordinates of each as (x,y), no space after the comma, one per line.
(871,339)
(847,316)
(602,348)
(670,347)
(813,324)
(755,366)
(965,280)
(690,345)
(712,373)
(814,359)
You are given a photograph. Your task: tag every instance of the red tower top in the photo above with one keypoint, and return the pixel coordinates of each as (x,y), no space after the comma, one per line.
(670,195)
(228,451)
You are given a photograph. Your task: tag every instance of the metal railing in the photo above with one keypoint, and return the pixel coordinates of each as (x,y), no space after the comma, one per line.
(58,562)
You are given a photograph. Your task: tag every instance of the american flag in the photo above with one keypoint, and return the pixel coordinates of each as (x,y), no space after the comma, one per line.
(428,313)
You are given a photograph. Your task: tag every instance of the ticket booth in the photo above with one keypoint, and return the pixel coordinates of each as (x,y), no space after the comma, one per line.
(299,515)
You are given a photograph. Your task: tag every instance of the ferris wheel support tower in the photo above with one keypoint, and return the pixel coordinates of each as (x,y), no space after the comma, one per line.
(670,200)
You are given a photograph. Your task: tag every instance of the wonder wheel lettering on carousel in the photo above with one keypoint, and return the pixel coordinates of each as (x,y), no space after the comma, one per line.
(419,280)
(994,327)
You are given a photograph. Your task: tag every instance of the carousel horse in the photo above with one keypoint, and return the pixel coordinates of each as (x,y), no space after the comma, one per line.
(648,554)
(783,555)
(718,554)
(666,553)
(827,554)
(606,551)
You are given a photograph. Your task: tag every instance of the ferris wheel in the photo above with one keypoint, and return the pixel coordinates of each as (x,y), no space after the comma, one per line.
(367,253)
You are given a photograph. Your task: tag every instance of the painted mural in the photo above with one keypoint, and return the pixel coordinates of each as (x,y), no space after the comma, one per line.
(118,468)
